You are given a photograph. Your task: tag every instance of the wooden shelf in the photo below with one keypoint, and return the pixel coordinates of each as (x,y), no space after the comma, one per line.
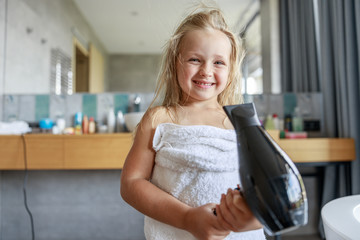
(308,150)
(108,151)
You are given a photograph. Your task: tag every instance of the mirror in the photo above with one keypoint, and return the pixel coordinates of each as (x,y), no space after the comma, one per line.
(116,44)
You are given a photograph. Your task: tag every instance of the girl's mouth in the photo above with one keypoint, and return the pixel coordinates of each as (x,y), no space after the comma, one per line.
(204,84)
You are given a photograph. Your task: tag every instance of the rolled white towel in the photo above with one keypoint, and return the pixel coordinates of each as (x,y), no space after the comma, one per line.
(16,127)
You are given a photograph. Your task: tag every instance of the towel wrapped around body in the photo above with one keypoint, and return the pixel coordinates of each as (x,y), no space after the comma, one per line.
(195,164)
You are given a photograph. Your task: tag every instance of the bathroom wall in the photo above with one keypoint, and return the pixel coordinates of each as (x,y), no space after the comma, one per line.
(133,73)
(34,27)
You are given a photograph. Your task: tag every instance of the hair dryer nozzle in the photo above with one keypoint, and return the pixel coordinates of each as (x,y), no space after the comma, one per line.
(243,115)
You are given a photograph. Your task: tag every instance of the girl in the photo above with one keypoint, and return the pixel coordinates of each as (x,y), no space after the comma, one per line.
(184,153)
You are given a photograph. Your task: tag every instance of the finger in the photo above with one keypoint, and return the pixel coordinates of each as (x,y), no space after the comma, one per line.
(233,206)
(225,211)
(224,225)
(240,202)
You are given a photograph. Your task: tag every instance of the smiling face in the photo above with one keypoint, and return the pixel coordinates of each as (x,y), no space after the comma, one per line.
(203,64)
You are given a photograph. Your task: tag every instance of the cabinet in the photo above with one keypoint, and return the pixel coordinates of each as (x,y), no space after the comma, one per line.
(43,151)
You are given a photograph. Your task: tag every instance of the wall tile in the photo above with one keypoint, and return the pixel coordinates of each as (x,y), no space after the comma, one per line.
(2,107)
(275,105)
(121,102)
(146,99)
(261,105)
(73,105)
(11,108)
(89,105)
(42,107)
(289,103)
(57,106)
(105,101)
(27,105)
(248,98)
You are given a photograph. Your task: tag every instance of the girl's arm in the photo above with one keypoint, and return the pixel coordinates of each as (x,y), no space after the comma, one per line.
(234,214)
(139,192)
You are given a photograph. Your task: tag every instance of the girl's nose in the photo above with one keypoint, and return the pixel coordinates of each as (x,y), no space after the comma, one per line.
(205,71)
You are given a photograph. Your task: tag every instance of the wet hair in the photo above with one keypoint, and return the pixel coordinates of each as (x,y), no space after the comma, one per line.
(203,18)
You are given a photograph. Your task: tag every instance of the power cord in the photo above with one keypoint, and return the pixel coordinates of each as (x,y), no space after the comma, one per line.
(24,189)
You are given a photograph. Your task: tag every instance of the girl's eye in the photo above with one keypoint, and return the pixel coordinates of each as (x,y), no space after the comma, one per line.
(194,60)
(219,63)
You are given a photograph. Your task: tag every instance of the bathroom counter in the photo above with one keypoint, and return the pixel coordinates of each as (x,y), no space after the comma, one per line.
(50,152)
(108,151)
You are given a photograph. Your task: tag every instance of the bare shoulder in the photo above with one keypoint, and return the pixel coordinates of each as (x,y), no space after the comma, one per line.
(155,116)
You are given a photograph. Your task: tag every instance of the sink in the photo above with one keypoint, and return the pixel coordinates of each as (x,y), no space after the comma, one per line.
(132,119)
(356,213)
(341,218)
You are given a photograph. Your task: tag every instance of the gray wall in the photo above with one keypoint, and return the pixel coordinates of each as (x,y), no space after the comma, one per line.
(67,205)
(133,73)
(34,27)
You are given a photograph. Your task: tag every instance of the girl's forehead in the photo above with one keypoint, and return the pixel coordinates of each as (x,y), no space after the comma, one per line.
(204,37)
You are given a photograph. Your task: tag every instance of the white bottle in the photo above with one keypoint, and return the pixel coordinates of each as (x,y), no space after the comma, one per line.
(297,121)
(276,121)
(120,122)
(111,121)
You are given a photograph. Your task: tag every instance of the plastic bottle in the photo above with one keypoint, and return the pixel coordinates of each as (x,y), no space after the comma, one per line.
(85,125)
(120,122)
(111,121)
(288,123)
(269,123)
(78,123)
(276,121)
(92,127)
(297,121)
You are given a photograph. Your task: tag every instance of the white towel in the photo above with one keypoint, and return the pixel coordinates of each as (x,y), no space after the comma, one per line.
(195,164)
(17,128)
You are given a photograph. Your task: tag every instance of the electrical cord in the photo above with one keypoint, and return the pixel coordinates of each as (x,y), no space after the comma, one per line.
(24,189)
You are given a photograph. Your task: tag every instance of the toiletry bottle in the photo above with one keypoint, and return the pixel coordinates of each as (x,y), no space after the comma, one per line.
(120,122)
(269,123)
(297,120)
(85,125)
(92,126)
(288,123)
(111,121)
(61,124)
(276,121)
(78,123)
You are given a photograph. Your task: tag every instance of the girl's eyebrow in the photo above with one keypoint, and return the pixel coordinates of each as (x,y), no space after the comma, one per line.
(220,56)
(199,54)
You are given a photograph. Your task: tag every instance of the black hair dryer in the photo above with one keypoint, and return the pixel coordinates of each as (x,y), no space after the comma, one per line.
(270,182)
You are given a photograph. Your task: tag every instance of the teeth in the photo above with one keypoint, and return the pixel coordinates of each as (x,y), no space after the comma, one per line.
(205,84)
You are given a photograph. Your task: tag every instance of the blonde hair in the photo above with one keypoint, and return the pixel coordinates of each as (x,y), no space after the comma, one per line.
(168,87)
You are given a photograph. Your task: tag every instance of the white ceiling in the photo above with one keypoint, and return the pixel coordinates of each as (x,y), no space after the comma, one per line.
(143,26)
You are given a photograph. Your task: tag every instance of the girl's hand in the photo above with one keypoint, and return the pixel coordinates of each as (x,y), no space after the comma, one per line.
(203,224)
(234,214)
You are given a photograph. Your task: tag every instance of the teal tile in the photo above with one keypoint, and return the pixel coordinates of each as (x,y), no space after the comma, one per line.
(41,107)
(289,103)
(121,102)
(89,105)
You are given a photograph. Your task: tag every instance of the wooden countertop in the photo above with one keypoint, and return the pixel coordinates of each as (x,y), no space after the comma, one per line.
(108,151)
(46,151)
